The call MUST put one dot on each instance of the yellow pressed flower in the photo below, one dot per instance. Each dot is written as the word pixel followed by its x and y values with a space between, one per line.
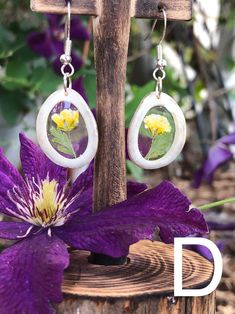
pixel 157 124
pixel 66 120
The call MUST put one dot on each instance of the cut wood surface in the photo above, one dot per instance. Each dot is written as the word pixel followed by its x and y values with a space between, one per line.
pixel 150 270
pixel 176 9
pixel 137 287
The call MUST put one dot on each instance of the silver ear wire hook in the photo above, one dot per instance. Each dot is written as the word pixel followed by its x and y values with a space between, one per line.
pixel 154 25
pixel 68 42
pixel 66 58
pixel 159 73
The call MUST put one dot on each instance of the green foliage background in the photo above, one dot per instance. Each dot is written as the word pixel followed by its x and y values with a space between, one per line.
pixel 26 79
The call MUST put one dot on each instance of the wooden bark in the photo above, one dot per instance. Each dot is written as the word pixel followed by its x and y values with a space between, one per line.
pixel 148 305
pixel 139 287
pixel 111 38
pixel 176 9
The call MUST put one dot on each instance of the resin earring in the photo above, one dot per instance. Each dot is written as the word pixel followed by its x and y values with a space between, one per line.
pixel 66 128
pixel 158 121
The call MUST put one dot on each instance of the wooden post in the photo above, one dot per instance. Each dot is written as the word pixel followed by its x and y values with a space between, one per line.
pixel 137 287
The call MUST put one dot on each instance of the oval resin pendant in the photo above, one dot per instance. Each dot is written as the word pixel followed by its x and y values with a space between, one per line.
pixel 66 129
pixel 157 132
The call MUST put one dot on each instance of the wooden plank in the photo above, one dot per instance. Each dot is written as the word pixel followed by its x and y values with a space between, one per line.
pixel 176 9
pixel 87 7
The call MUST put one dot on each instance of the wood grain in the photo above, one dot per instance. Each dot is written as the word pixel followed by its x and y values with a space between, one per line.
pixel 111 39
pixel 88 7
pixel 176 9
pixel 137 287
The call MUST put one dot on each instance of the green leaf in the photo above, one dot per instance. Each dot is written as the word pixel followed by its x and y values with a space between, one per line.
pixel 89 81
pixel 12 105
pixel 62 139
pixel 45 80
pixel 136 172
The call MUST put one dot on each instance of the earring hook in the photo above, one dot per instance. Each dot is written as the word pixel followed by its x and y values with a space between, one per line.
pixel 68 21
pixel 154 25
pixel 67 68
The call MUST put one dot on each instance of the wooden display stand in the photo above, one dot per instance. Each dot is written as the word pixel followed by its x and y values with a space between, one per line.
pixel 141 286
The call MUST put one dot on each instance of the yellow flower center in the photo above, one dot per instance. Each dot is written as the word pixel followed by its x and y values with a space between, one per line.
pixel 66 120
pixel 47 203
pixel 157 124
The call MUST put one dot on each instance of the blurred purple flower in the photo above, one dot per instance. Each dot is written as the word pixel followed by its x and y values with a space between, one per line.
pixel 204 251
pixel 79 87
pixel 51 216
pixel 218 226
pixel 50 43
pixel 218 155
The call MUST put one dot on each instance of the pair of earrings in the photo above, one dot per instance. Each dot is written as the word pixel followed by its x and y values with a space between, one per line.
pixel 67 131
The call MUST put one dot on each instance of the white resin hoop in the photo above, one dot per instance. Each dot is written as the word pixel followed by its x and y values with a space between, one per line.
pixel 41 128
pixel 172 107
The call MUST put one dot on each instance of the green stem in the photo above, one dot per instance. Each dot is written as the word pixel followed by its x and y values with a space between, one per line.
pixel 72 149
pixel 150 150
pixel 218 203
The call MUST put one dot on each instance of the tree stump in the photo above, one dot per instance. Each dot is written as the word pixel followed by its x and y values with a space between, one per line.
pixel 141 286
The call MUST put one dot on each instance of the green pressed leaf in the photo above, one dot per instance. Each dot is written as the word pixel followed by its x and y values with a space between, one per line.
pixel 162 143
pixel 160 146
pixel 62 139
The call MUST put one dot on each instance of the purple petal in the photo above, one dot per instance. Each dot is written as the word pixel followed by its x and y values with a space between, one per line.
pixel 111 240
pixel 83 187
pixel 228 139
pixel 81 193
pixel 41 43
pixel 218 155
pixel 134 188
pixel 202 250
pixel 111 231
pixel 31 275
pixel 78 30
pixel 79 87
pixel 9 171
pixel 14 230
pixel 9 177
pixel 6 204
pixel 35 163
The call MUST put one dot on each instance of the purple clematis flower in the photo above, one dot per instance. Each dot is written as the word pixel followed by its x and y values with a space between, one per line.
pixel 50 43
pixel 218 155
pixel 52 215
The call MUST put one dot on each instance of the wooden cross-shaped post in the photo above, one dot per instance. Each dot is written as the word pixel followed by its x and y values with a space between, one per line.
pixel 111 38
pixel 149 275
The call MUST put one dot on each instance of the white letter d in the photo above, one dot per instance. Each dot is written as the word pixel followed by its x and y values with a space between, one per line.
pixel 218 267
